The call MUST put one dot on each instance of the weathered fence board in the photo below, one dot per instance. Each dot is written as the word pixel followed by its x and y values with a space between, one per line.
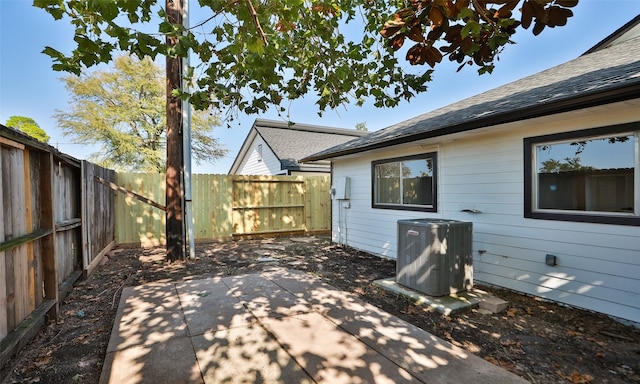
pixel 98 214
pixel 16 269
pixel 68 238
pixel 48 253
pixel 3 291
pixel 10 290
pixel 41 232
pixel 28 278
pixel 226 206
pixel 34 225
pixel 3 272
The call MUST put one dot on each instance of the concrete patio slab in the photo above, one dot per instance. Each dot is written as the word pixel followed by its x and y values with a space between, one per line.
pixel 208 305
pixel 171 361
pixel 146 315
pixel 279 326
pixel 246 355
pixel 332 355
pixel 264 298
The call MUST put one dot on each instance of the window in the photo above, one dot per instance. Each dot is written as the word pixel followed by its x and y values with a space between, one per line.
pixel 589 176
pixel 259 152
pixel 407 183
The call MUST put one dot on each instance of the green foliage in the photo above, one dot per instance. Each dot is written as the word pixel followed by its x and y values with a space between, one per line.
pixel 123 110
pixel 255 54
pixel 28 126
pixel 568 165
pixel 362 126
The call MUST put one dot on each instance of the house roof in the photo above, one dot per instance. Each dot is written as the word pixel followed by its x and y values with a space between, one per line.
pixel 606 75
pixel 630 30
pixel 292 142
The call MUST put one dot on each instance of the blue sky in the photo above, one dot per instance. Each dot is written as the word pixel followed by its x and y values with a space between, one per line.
pixel 29 87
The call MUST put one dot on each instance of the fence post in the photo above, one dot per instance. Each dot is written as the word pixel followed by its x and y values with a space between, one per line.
pixel 49 264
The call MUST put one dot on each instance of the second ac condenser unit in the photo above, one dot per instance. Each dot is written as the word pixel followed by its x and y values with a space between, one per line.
pixel 435 256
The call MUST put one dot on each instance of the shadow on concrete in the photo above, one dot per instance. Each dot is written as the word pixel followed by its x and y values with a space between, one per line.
pixel 280 326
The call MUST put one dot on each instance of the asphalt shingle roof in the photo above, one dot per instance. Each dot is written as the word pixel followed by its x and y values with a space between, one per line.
pixel 604 76
pixel 291 143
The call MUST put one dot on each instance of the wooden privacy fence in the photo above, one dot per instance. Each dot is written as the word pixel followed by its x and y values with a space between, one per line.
pixel 226 206
pixel 56 221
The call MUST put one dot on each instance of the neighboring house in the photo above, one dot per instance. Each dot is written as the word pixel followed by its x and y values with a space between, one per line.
pixel 546 165
pixel 274 148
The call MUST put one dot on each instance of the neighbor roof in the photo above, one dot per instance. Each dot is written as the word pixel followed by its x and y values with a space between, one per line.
pixel 290 142
pixel 601 77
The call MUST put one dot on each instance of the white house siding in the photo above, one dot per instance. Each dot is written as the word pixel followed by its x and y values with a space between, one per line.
pixel 252 165
pixel 598 264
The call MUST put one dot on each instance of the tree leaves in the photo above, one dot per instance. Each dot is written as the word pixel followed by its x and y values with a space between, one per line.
pixel 251 55
pixel 576 378
pixel 549 13
pixel 28 126
pixel 474 31
pixel 423 54
pixel 506 9
pixel 567 3
pixel 435 16
pixel 122 110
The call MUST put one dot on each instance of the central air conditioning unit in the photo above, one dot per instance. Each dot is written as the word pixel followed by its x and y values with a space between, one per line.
pixel 435 256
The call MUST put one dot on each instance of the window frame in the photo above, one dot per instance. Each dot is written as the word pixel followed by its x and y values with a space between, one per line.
pixel 530 181
pixel 407 207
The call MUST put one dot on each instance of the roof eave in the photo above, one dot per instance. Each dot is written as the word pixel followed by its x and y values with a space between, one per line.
pixel 265 123
pixel 302 168
pixel 583 101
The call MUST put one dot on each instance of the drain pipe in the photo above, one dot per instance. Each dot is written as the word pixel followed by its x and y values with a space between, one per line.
pixel 186 148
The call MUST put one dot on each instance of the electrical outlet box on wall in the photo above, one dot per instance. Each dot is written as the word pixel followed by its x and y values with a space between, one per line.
pixel 342 188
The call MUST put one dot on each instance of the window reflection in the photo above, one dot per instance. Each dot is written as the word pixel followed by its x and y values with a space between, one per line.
pixel 408 181
pixel 591 175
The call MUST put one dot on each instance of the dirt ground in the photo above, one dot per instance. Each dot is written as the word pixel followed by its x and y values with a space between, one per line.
pixel 540 341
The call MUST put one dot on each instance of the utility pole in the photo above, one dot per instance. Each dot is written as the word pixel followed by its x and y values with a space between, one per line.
pixel 175 157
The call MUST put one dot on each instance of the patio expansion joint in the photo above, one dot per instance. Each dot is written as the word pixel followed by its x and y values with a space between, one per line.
pixel 338 325
pixel 282 345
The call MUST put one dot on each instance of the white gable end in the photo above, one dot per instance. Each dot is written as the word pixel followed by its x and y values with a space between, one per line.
pixel 259 160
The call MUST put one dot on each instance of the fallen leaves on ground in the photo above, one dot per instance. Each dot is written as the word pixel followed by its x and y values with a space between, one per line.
pixel 534 339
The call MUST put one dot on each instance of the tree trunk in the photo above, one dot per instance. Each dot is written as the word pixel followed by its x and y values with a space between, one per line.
pixel 175 161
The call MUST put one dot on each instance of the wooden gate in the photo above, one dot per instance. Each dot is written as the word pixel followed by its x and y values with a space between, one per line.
pixel 268 205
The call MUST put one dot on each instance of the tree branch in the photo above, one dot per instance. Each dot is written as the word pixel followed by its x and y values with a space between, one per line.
pixel 482 11
pixel 254 16
pixel 216 14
